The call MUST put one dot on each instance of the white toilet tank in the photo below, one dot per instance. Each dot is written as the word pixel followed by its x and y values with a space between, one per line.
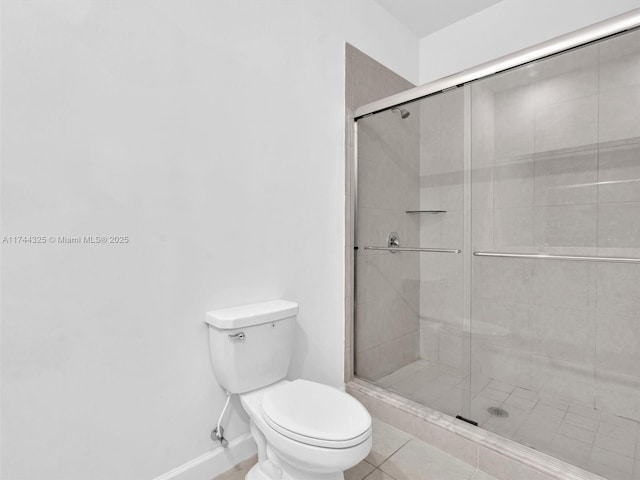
pixel 251 345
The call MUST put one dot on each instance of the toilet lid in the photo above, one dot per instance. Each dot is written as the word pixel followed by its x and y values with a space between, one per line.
pixel 316 414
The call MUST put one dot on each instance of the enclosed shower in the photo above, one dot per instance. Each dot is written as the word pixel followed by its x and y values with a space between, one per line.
pixel 497 255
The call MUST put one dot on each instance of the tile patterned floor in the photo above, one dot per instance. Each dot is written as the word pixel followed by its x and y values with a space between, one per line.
pixel 598 442
pixel 395 455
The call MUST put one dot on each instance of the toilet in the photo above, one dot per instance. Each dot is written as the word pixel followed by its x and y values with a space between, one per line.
pixel 304 430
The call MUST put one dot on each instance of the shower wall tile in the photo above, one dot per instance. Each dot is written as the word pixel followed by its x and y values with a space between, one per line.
pixel 619 46
pixel 368 80
pixel 618 345
pixel 482 187
pixel 566 124
pixel 619 174
pixel 430 231
pixel 379 136
pixel 374 226
pixel 511 366
pixel 396 316
pixel 514 123
pixel 513 227
pixel 561 284
pixel 452 191
pixel 563 333
pixel 619 225
pixel 429 194
pixel 392 355
pixel 620 62
pixel 369 280
pixel 430 115
pixel 369 364
pixel 566 179
pixel 368 324
pixel 452 149
pixel 411 347
pixel 398 186
pixel 620 72
pixel 429 340
pixel 574 381
pixel 452 230
pixel 451 108
pixel 566 226
pixel 513 184
pixel 450 350
pixel 431 298
pixel 369 182
pixel 412 230
pixel 482 125
pixel 505 325
pixel 482 229
pixel 503 280
pixel 567 77
pixel 617 289
pixel 398 295
pixel 619 116
pixel 452 307
pixel 430 152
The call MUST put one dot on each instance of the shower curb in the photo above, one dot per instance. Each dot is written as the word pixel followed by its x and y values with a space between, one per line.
pixel 498 456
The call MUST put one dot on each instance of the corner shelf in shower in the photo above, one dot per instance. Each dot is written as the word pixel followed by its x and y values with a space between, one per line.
pixel 426 211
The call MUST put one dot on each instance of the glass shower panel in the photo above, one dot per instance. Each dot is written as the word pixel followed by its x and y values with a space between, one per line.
pixel 387 285
pixel 555 171
pixel 410 334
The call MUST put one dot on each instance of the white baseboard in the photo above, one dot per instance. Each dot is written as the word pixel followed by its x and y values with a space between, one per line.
pixel 213 463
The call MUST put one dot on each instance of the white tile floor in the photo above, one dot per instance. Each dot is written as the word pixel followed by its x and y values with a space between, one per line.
pixel 395 455
pixel 601 443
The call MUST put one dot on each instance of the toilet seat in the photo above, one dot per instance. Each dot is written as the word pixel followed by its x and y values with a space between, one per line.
pixel 316 414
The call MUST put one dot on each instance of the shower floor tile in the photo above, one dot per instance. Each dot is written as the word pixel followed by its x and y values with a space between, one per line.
pixel 602 443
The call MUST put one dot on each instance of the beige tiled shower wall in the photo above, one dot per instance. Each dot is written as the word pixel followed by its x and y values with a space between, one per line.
pixel 556 169
pixel 442 337
pixel 387 334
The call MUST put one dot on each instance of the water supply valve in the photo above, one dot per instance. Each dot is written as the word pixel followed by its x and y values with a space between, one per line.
pixel 219 436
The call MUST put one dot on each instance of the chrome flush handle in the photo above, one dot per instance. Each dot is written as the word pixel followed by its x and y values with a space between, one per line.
pixel 237 337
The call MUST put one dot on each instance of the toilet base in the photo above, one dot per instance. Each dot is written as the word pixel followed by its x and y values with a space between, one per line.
pixel 259 473
pixel 256 474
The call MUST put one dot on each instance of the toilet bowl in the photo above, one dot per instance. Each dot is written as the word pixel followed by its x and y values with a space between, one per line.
pixel 299 438
pixel 303 430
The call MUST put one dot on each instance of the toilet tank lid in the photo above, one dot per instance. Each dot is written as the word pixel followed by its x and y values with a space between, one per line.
pixel 253 314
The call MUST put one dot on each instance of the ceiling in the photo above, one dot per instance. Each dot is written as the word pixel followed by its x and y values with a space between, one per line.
pixel 426 16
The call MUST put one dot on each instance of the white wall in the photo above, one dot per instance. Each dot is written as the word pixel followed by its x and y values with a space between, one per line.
pixel 506 27
pixel 211 133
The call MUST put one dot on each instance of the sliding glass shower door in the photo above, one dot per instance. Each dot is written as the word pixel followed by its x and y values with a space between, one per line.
pixel 556 322
pixel 498 271
pixel 410 334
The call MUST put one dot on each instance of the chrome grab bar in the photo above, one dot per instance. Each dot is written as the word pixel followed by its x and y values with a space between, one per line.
pixel 549 256
pixel 410 249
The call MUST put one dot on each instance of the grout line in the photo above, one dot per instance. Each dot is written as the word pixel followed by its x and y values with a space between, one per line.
pixel 379 470
pixel 386 459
